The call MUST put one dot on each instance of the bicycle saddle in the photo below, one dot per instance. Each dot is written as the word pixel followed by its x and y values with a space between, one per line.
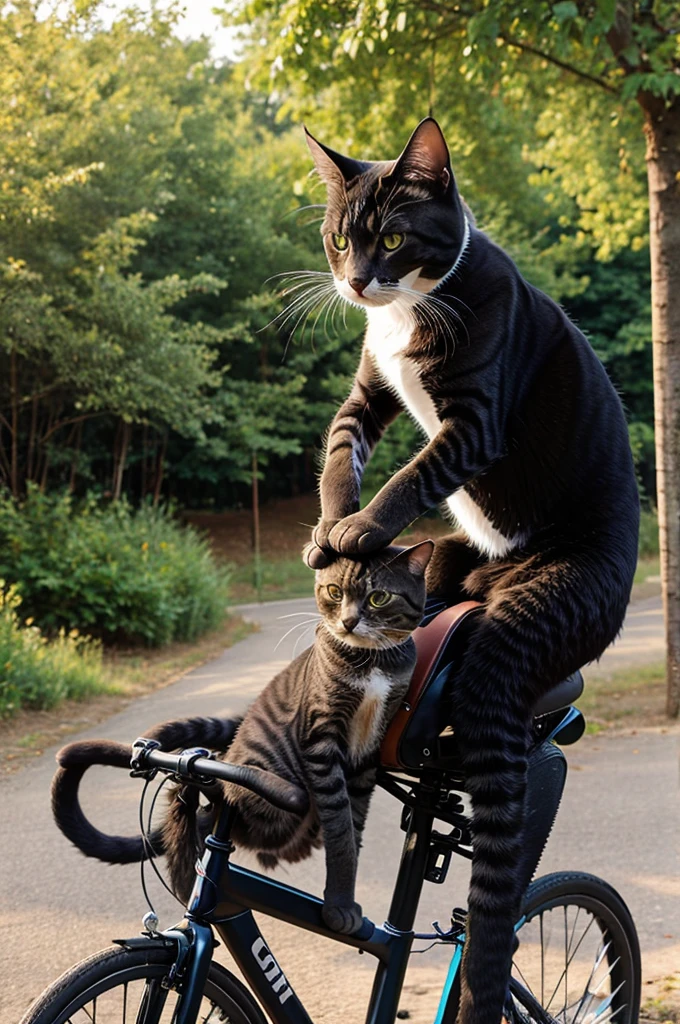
pixel 420 734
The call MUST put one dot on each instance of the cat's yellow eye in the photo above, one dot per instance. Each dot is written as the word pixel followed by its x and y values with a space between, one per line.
pixel 392 242
pixel 379 598
pixel 334 592
pixel 340 242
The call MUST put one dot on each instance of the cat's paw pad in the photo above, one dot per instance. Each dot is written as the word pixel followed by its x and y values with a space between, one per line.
pixel 345 920
pixel 315 557
pixel 321 532
pixel 358 535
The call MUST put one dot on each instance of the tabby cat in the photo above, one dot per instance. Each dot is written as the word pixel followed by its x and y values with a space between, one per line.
pixel 526 446
pixel 318 724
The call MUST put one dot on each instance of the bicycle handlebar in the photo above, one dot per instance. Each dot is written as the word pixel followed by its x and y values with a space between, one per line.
pixel 198 766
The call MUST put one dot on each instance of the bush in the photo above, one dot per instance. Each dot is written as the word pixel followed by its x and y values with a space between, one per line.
pixel 36 672
pixel 119 574
pixel 649 533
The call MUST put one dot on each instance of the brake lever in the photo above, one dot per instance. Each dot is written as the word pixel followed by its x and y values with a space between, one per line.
pixel 140 748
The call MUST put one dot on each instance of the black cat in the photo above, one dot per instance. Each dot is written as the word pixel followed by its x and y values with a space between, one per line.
pixel 526 444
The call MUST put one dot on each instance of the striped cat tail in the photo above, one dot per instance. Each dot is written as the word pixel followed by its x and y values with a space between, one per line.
pixel 76 758
pixel 180 733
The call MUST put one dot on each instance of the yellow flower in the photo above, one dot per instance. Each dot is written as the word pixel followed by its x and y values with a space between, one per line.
pixel 145 546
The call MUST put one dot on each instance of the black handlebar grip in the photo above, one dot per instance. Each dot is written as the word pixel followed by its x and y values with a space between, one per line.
pixel 277 791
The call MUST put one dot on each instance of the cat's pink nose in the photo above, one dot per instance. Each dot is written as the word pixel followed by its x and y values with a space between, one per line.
pixel 350 622
pixel 358 284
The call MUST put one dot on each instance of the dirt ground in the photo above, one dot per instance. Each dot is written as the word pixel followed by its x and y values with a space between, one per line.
pixel 132 673
pixel 285 528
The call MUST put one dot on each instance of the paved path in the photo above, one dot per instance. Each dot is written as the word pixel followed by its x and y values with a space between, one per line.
pixel 642 639
pixel 619 819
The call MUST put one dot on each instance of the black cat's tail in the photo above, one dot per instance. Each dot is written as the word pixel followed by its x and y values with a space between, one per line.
pixel 76 758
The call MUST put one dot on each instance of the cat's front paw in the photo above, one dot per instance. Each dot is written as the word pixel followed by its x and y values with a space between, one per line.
pixel 318 553
pixel 346 920
pixel 358 534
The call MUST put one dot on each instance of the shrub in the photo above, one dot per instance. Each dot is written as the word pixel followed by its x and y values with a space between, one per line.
pixel 649 533
pixel 37 672
pixel 116 573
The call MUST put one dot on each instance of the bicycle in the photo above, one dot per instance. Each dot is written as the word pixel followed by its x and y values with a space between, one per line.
pixel 577 958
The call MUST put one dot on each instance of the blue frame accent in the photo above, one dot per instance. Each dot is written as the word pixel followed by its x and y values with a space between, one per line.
pixel 571 715
pixel 454 967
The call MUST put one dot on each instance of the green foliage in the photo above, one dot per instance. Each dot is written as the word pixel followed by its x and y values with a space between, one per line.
pixel 36 672
pixel 649 533
pixel 124 575
pixel 151 197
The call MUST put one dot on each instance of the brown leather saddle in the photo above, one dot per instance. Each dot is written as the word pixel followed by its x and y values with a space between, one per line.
pixel 420 735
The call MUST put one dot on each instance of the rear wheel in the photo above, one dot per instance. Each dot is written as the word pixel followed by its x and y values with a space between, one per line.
pixel 127 986
pixel 578 958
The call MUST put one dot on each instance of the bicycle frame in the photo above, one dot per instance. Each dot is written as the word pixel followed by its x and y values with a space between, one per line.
pixel 225 895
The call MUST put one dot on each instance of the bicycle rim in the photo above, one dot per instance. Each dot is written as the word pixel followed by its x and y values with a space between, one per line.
pixel 578 959
pixel 131 987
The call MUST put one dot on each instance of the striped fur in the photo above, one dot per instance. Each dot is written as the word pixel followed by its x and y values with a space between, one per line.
pixel 319 724
pixel 76 758
pixel 526 444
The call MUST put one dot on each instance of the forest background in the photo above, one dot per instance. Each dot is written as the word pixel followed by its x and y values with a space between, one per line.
pixel 155 207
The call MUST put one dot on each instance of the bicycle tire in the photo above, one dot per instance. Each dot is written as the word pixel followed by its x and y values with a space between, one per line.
pixel 108 971
pixel 576 889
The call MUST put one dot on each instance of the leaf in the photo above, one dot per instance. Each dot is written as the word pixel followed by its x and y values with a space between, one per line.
pixel 400 23
pixel 565 10
pixel 607 10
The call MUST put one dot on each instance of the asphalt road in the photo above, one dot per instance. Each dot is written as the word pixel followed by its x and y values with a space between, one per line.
pixel 619 818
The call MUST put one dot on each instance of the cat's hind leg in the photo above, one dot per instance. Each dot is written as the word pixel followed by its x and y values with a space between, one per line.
pixel 543 619
pixel 453 559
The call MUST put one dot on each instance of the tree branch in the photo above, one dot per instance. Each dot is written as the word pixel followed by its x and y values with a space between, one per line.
pixel 528 48
pixel 67 422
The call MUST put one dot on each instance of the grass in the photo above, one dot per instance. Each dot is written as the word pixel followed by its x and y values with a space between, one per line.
pixel 127 675
pixel 281 579
pixel 626 698
pixel 648 568
pixel 664 1006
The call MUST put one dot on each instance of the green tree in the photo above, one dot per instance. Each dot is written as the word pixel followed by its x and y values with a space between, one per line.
pixel 601 72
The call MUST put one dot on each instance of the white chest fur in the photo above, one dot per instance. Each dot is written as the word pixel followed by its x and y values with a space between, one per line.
pixel 387 337
pixel 366 727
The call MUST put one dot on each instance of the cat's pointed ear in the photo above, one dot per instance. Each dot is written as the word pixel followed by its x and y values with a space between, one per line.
pixel 425 156
pixel 417 557
pixel 333 168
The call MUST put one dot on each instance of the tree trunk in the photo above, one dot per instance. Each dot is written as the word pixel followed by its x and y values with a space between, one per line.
pixel 159 471
pixel 119 465
pixel 78 438
pixel 31 438
pixel 662 128
pixel 257 561
pixel 14 392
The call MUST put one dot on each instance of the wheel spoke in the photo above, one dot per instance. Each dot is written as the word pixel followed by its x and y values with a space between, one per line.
pixel 209 1014
pixel 578 946
pixel 542 963
pixel 596 966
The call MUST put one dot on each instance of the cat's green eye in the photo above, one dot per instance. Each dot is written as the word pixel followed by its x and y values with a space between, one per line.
pixel 379 598
pixel 392 242
pixel 340 242
pixel 334 592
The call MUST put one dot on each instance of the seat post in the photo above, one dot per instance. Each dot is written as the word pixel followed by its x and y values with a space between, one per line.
pixel 414 857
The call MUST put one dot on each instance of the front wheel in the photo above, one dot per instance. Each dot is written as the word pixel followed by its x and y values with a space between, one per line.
pixel 126 986
pixel 578 956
